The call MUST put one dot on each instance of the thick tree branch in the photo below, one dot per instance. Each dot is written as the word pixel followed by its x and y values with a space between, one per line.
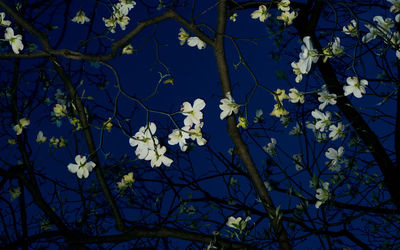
pixel 233 132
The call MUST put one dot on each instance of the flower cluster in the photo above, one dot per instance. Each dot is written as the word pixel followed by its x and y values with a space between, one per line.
pixel 148 147
pixel 193 41
pixel 82 167
pixel 193 125
pixel 119 15
pixel 270 148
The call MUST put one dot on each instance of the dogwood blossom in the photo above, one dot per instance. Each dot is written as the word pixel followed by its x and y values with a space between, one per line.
pixel 144 140
pixel 195 41
pixel 195 134
pixel 193 113
pixel 322 194
pixel 228 105
pixel 242 122
pixel 126 181
pixel 80 17
pixel 233 17
pixel 179 136
pixel 308 55
pixel 336 131
pixel 325 98
pixel 287 17
pixel 395 8
pixel 237 223
pixel 14 40
pixel 297 71
pixel 270 148
pixel 323 119
pixel 298 161
pixel 351 28
pixel 261 13
pixel 110 23
pixel 40 138
pixel 82 167
pixel 333 49
pixel 283 5
pixel 296 130
pixel 335 156
pixel 4 22
pixel 355 87
pixel 23 123
pixel 182 36
pixel 157 157
pixel 382 29
pixel 127 50
pixel 280 95
pixel 279 111
pixel 60 110
pixel 296 96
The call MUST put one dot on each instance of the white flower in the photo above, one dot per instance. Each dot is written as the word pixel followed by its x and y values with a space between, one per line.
pixel 110 23
pixel 123 21
pixel 60 110
pixel 351 28
pixel 296 96
pixel 195 41
pixel 237 223
pixel 298 161
pixel 157 157
pixel 336 131
pixel 228 105
pixel 355 87
pixel 333 49
pixel 182 36
pixel 283 5
pixel 193 113
pixel 145 140
pixel 382 29
pixel 335 157
pixel 325 98
pixel 259 117
pixel 323 119
pixel 14 40
pixel 127 5
pixel 40 138
pixel 195 134
pixel 261 13
pixel 322 194
pixel 179 136
pixel 308 55
pixel 287 17
pixel 82 167
pixel 270 148
pixel 396 5
pixel 297 71
pixel 23 123
pixel 80 17
pixel 4 22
